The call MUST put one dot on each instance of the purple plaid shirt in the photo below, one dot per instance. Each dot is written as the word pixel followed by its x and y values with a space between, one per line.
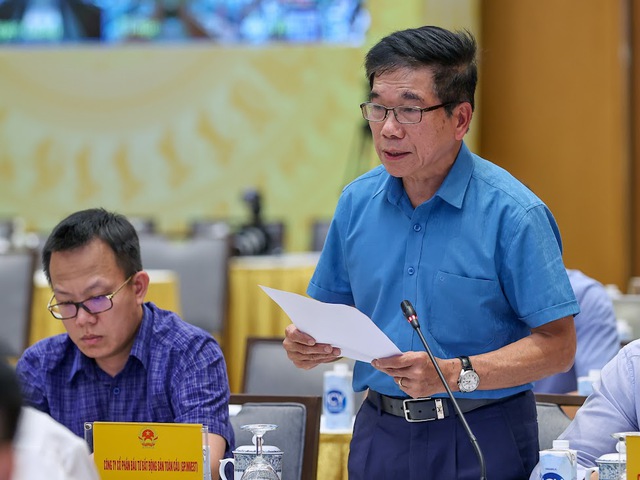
pixel 175 373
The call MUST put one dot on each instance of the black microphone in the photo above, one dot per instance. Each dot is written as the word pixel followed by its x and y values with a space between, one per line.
pixel 411 315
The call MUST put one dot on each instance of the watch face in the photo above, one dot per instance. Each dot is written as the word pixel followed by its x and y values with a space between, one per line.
pixel 468 381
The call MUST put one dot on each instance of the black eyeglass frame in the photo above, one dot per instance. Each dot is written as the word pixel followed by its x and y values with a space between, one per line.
pixel 364 105
pixel 108 296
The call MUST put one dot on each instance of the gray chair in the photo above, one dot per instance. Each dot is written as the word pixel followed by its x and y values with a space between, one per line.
pixel 319 230
pixel 210 228
pixel 268 370
pixel 6 228
pixel 298 432
pixel 552 421
pixel 552 417
pixel 143 225
pixel 201 265
pixel 16 292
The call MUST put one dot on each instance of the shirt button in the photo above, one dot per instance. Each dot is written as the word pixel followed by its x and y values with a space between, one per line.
pixel 417 227
pixel 116 390
pixel 411 270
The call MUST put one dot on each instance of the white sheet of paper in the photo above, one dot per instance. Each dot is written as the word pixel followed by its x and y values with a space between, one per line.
pixel 339 325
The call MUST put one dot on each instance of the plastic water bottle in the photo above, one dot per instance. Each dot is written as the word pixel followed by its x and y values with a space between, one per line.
pixel 586 384
pixel 613 290
pixel 559 462
pixel 337 405
pixel 625 331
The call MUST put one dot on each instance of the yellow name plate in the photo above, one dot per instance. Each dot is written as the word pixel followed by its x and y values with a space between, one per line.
pixel 633 456
pixel 145 451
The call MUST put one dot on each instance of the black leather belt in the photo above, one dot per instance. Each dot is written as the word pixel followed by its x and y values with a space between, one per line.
pixel 424 409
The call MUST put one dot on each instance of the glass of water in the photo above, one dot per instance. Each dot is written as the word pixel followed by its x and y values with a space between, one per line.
pixel 259 468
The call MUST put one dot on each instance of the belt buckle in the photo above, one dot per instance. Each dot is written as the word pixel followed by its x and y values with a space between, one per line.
pixel 437 402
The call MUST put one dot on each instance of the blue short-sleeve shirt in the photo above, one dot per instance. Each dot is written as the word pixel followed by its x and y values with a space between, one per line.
pixel 480 261
pixel 175 373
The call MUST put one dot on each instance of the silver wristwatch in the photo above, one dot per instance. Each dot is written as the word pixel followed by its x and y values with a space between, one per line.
pixel 469 379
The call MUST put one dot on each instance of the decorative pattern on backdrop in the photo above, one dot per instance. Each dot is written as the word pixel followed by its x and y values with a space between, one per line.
pixel 178 131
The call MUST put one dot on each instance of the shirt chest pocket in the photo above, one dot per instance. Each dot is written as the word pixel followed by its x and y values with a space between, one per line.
pixel 465 313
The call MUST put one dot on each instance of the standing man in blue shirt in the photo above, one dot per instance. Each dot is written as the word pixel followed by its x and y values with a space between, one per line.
pixel 476 253
pixel 121 359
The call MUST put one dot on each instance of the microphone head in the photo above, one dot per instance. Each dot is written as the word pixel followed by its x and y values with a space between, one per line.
pixel 407 309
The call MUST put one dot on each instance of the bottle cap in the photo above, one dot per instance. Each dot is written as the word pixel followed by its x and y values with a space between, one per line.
pixel 341 368
pixel 595 374
pixel 613 290
pixel 561 444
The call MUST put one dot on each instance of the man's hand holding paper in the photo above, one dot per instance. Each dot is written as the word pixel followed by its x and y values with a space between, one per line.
pixel 303 350
pixel 349 331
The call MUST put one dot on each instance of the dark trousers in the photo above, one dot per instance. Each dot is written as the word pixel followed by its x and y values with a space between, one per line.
pixel 387 447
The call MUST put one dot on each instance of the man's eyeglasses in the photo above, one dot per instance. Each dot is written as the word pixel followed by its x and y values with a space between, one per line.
pixel 375 112
pixel 93 305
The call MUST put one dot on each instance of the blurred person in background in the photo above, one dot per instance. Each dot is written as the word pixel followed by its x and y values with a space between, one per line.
pixel 476 252
pixel 121 360
pixel 597 339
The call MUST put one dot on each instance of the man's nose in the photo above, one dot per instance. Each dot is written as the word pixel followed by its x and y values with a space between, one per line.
pixel 84 317
pixel 391 126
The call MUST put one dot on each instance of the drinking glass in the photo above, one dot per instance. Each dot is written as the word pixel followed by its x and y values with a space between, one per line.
pixel 259 468
pixel 621 448
pixel 206 454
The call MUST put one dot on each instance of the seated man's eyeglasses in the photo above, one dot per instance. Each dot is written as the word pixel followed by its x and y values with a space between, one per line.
pixel 375 112
pixel 93 305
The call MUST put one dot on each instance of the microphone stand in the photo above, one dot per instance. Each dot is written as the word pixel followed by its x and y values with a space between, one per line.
pixel 412 317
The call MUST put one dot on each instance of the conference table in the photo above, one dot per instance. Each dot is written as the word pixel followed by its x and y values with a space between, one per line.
pixel 333 454
pixel 251 312
pixel 163 291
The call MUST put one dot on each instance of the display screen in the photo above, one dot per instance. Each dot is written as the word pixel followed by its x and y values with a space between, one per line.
pixel 223 21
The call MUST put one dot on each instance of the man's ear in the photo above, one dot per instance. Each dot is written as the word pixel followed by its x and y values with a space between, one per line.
pixel 463 114
pixel 140 283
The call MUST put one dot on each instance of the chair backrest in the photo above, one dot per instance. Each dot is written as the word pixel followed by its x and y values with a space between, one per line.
pixel 319 230
pixel 552 421
pixel 210 228
pixel 555 412
pixel 201 265
pixel 16 292
pixel 277 232
pixel 6 227
pixel 568 402
pixel 298 432
pixel 144 225
pixel 268 370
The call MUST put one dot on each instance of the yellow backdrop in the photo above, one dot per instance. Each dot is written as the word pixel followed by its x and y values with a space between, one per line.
pixel 179 131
